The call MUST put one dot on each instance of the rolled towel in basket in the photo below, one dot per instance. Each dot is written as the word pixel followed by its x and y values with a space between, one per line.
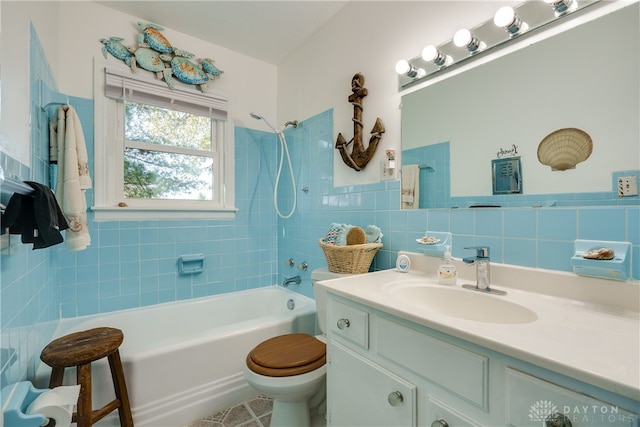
pixel 374 234
pixel 332 234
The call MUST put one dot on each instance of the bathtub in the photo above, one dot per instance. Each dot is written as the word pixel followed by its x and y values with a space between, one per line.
pixel 183 360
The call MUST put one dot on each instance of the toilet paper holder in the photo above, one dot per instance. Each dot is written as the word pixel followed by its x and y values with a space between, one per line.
pixel 17 398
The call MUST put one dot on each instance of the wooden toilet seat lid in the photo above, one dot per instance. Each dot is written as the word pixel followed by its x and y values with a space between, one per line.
pixel 287 355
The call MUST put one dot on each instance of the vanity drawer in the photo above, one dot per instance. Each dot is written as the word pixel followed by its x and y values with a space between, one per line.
pixel 460 371
pixel 441 414
pixel 530 400
pixel 350 323
pixel 362 393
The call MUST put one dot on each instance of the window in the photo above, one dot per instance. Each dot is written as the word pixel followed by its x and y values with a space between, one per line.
pixel 160 153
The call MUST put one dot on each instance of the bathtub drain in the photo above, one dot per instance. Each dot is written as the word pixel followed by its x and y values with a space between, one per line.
pixel 291 305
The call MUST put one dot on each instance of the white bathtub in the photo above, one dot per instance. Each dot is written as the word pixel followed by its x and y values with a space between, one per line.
pixel 183 360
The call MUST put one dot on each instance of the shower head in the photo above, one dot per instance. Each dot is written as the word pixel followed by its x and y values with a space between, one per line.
pixel 259 117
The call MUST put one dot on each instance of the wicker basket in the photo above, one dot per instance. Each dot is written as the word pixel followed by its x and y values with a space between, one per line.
pixel 351 259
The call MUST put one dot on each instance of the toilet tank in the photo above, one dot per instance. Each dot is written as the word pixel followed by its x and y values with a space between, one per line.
pixel 321 294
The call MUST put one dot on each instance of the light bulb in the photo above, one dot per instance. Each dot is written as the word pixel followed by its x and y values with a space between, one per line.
pixel 403 67
pixel 504 17
pixel 430 53
pixel 507 18
pixel 462 38
pixel 465 38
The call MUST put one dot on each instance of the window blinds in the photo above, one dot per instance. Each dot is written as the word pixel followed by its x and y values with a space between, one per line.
pixel 155 92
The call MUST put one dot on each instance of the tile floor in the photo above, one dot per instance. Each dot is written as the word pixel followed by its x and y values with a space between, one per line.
pixel 253 413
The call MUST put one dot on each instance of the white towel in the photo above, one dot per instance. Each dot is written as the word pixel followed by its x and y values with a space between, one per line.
pixel 410 187
pixel 67 140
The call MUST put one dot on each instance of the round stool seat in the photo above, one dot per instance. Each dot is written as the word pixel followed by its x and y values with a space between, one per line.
pixel 82 347
pixel 287 355
pixel 79 350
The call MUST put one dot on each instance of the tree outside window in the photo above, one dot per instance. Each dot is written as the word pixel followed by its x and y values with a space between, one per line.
pixel 168 154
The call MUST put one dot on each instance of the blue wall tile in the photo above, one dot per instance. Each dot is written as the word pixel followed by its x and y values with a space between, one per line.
pixel 602 224
pixel 489 221
pixel 557 223
pixel 554 255
pixel 520 252
pixel 520 223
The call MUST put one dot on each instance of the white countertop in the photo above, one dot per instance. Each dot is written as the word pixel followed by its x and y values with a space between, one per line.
pixel 592 342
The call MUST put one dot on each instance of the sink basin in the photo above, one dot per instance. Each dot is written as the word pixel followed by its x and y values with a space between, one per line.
pixel 461 303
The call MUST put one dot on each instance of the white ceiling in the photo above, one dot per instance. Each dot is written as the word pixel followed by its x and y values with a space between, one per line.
pixel 266 30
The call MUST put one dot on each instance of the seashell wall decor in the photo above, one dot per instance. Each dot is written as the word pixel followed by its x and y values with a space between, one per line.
pixel 154 53
pixel 564 148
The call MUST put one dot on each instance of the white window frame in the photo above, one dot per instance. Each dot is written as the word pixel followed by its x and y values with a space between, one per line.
pixel 109 152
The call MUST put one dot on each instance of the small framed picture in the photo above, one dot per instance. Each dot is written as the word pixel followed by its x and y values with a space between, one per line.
pixel 507 176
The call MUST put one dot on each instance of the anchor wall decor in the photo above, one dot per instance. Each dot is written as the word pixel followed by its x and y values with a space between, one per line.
pixel 359 156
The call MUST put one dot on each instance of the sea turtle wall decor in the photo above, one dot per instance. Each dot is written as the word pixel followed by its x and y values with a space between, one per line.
pixel 187 71
pixel 154 53
pixel 151 35
pixel 113 46
pixel 150 60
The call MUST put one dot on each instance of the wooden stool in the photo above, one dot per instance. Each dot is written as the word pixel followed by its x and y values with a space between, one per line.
pixel 80 349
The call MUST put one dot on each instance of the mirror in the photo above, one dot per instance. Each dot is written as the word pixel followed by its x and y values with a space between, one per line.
pixel 585 77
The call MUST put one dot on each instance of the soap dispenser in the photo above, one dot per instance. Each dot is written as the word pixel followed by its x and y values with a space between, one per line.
pixel 447 273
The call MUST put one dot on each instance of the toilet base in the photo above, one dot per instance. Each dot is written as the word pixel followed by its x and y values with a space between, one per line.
pixel 303 413
pixel 290 414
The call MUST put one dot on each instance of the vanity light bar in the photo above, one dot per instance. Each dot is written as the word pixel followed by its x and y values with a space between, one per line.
pixel 468 43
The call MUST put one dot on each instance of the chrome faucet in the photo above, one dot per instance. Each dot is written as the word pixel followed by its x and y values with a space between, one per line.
pixel 295 280
pixel 483 269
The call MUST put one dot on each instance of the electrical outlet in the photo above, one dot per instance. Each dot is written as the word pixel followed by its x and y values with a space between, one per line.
pixel 387 173
pixel 628 186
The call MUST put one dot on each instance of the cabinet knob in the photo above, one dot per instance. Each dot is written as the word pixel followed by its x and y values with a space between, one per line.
pixel 440 423
pixel 557 420
pixel 395 398
pixel 343 323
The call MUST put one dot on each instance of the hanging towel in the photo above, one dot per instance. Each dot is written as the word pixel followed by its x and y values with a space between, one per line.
pixel 37 217
pixel 410 188
pixel 73 174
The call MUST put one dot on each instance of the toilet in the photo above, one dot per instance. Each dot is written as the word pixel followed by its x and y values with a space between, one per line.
pixel 291 368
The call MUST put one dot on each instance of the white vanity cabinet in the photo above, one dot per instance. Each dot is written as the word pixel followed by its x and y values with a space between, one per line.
pixel 383 399
pixel 386 371
pixel 351 398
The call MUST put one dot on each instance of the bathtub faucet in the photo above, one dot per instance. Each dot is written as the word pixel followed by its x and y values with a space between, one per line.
pixel 295 280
